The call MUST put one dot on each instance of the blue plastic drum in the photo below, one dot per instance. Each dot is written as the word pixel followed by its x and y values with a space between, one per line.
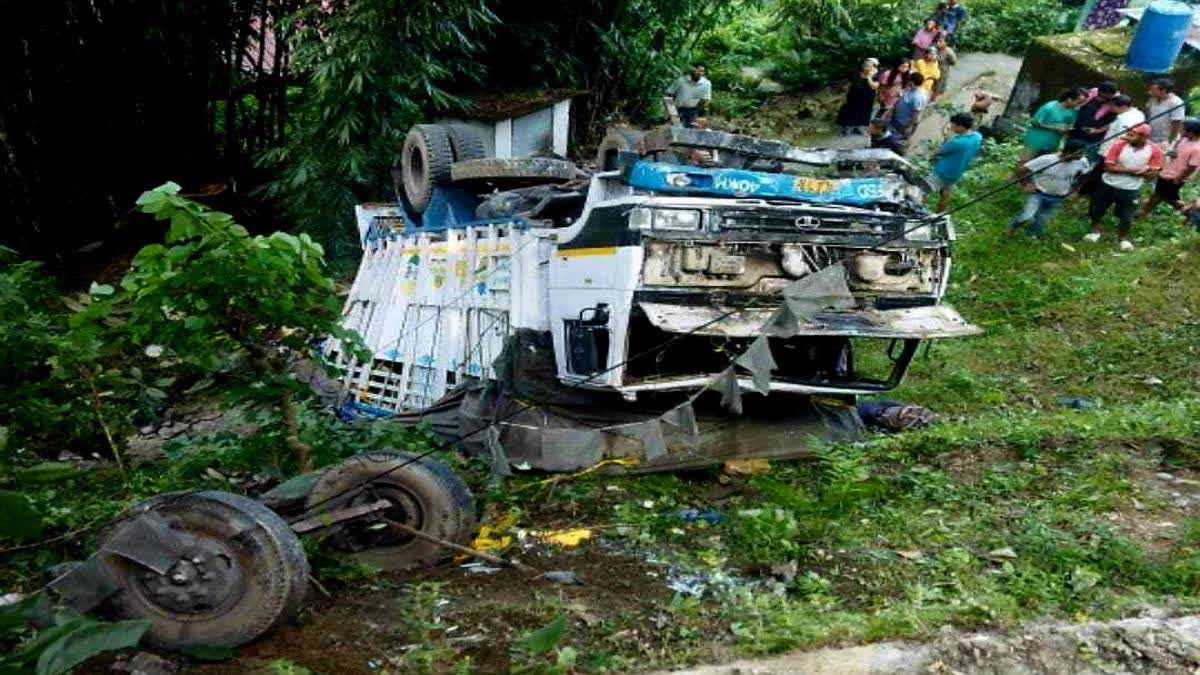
pixel 1159 37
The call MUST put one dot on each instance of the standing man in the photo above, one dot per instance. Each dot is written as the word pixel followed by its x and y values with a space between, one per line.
pixel 950 16
pixel 1128 163
pixel 1050 123
pixel 946 57
pixel 929 70
pixel 1127 118
pixel 907 113
pixel 1184 161
pixel 951 162
pixel 1095 114
pixel 1165 110
pixel 690 95
pixel 1049 179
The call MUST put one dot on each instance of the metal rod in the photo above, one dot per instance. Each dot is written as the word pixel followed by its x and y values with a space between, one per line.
pixel 487 557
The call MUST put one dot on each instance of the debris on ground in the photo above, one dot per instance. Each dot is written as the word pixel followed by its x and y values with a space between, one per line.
pixel 892 416
pixel 753 466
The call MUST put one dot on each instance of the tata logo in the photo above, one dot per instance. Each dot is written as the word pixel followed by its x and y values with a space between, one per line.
pixel 807 223
pixel 738 185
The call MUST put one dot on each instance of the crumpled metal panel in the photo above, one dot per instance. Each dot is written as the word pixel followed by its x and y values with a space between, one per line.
pixel 924 323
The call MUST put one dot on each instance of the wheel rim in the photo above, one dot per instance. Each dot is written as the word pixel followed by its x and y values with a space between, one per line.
pixel 373 532
pixel 205 581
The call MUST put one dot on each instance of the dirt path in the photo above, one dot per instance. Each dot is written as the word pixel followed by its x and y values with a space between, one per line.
pixel 1143 645
pixel 995 73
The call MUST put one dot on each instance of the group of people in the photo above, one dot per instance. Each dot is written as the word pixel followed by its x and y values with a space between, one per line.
pixel 1098 143
pixel 906 88
pixel 1087 142
pixel 888 106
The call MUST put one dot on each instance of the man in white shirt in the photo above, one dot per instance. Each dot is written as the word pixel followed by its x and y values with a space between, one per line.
pixel 691 95
pixel 1165 112
pixel 1127 165
pixel 1127 118
pixel 1050 179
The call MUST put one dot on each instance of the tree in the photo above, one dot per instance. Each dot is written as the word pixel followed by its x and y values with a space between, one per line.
pixel 370 69
pixel 215 300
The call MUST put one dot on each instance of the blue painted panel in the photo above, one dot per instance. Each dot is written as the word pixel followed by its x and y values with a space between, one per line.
pixel 690 180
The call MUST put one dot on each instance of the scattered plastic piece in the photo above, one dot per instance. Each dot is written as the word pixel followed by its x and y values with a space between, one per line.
pixel 1075 403
pixel 710 516
pixel 565 538
pixel 560 577
pixel 479 568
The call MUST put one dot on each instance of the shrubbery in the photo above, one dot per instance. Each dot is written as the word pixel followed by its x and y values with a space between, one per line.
pixel 809 44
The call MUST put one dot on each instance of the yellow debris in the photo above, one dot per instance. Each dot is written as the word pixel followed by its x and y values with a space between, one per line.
pixel 491 536
pixel 747 467
pixel 565 538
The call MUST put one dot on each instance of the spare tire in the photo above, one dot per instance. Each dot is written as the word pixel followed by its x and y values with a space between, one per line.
pixel 466 142
pixel 426 495
pixel 425 163
pixel 616 141
pixel 512 173
pixel 240 571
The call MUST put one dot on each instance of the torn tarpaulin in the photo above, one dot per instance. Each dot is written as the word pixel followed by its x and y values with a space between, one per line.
pixel 683 417
pixel 805 298
pixel 570 448
pixel 731 391
pixel 648 433
pixel 760 362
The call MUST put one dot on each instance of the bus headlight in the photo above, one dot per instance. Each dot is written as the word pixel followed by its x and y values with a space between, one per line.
pixel 686 220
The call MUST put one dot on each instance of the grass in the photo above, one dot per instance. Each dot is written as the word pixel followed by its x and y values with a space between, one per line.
pixel 1013 509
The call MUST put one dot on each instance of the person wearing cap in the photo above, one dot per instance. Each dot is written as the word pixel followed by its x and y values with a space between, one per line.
pixel 1181 165
pixel 1165 111
pixel 955 156
pixel 1049 179
pixel 1127 165
pixel 928 68
pixel 855 113
pixel 1127 118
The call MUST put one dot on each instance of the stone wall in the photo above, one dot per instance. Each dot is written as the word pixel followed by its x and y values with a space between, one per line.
pixel 1057 62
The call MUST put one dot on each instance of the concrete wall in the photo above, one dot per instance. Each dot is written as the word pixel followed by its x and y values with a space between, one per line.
pixel 1057 62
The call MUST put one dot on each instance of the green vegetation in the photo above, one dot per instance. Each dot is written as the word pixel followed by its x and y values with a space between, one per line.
pixel 811 44
pixel 1013 508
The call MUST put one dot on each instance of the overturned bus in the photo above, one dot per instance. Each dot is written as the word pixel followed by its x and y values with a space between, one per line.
pixel 637 285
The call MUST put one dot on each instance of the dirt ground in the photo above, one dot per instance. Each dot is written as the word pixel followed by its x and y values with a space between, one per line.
pixel 362 629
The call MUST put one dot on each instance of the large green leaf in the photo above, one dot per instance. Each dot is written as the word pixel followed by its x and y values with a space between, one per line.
pixel 89 639
pixel 542 640
pixel 21 520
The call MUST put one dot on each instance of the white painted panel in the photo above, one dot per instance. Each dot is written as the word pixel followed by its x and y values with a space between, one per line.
pixel 503 140
pixel 562 127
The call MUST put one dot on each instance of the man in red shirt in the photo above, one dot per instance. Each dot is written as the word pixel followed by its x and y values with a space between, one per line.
pixel 1181 165
pixel 1127 164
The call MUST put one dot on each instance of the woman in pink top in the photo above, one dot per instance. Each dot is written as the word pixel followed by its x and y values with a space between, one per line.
pixel 925 38
pixel 891 85
pixel 1184 160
